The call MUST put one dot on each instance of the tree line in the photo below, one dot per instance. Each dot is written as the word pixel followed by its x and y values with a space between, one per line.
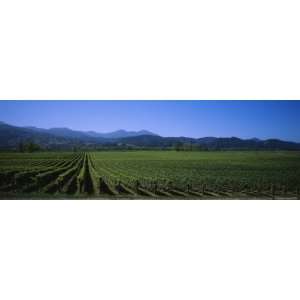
pixel 28 147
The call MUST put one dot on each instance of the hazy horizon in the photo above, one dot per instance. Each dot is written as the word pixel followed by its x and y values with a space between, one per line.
pixel 243 119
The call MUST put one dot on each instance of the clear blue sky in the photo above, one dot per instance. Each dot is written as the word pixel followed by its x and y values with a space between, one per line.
pixel 245 119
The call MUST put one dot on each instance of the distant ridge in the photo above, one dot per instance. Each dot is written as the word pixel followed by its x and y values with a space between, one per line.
pixel 65 138
pixel 121 133
pixel 66 132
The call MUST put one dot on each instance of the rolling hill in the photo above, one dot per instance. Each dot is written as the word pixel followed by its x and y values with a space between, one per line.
pixel 65 138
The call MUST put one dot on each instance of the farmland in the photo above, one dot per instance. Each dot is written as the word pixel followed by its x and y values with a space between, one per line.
pixel 151 175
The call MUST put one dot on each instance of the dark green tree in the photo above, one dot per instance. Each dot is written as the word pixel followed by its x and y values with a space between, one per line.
pixel 21 147
pixel 32 147
pixel 178 146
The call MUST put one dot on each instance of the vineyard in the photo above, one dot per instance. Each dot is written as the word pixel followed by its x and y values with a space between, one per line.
pixel 150 175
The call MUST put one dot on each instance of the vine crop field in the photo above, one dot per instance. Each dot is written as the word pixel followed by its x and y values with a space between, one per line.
pixel 150 175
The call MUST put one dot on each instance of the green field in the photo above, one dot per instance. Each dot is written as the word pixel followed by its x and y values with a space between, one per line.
pixel 151 174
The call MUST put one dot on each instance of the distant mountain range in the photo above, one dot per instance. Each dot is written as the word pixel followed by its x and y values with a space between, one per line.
pixel 69 133
pixel 65 138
